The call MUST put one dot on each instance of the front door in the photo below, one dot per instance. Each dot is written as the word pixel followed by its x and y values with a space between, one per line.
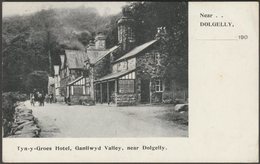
pixel 145 91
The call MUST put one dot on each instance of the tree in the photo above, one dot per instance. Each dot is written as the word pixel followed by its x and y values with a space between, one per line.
pixel 173 16
pixel 84 38
pixel 37 80
pixel 45 23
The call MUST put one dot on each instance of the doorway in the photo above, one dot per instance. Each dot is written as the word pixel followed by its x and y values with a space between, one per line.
pixel 145 91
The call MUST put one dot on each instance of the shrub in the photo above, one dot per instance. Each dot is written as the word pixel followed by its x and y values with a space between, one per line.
pixel 8 108
pixel 86 100
pixel 168 98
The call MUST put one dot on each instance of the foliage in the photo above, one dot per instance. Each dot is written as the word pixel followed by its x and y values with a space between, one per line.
pixel 84 38
pixel 37 80
pixel 34 42
pixel 173 16
pixel 39 39
pixel 8 101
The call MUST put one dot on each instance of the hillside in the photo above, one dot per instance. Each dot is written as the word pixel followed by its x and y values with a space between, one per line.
pixel 29 42
pixel 30 38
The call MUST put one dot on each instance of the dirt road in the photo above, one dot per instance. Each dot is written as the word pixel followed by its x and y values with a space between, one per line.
pixel 61 120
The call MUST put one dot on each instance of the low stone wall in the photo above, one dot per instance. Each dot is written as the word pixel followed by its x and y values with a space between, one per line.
pixel 81 100
pixel 126 99
pixel 25 125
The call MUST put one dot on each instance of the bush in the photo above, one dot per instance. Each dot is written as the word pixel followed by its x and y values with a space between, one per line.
pixel 86 100
pixel 167 98
pixel 8 108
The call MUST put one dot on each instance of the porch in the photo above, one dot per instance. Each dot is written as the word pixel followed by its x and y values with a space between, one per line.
pixel 78 91
pixel 116 89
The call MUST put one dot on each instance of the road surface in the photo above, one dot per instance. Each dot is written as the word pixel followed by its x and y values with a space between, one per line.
pixel 61 120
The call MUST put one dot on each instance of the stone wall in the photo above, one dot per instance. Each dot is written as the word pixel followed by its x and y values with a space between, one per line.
pixel 122 66
pixel 126 99
pixel 25 125
pixel 146 70
pixel 149 70
pixel 81 100
pixel 131 63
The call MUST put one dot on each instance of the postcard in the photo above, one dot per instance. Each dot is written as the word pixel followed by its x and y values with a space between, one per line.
pixel 130 81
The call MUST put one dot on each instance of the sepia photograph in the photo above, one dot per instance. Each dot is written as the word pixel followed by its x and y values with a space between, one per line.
pixel 95 69
pixel 130 82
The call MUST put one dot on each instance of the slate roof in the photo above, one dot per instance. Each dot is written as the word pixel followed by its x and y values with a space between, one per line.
pixel 75 58
pixel 115 75
pixel 109 51
pixel 137 50
pixel 94 55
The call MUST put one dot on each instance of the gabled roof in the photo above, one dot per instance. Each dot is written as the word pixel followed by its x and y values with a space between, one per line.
pixel 105 54
pixel 115 75
pixel 137 50
pixel 75 59
pixel 94 55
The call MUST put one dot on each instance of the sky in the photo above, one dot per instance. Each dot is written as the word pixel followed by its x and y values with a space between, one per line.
pixel 22 8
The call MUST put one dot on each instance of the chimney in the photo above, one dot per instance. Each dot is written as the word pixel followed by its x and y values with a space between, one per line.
pixel 161 33
pixel 91 45
pixel 100 41
pixel 126 36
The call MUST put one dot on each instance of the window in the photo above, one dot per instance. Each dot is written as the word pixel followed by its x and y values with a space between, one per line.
pixel 157 58
pixel 129 76
pixel 126 86
pixel 130 34
pixel 77 89
pixel 158 86
pixel 87 90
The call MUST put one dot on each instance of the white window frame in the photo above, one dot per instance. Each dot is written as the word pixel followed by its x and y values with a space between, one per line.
pixel 160 85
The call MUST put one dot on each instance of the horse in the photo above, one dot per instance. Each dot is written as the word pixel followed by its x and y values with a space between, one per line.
pixel 40 98
pixel 32 99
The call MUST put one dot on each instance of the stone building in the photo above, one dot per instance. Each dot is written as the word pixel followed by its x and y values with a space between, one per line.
pixel 126 74
pixel 135 72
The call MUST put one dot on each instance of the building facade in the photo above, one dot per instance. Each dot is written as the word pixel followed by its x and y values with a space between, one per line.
pixel 126 74
pixel 136 72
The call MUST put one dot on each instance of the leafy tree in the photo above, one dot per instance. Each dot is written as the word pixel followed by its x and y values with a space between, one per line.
pixel 173 16
pixel 112 38
pixel 37 80
pixel 84 38
pixel 34 42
